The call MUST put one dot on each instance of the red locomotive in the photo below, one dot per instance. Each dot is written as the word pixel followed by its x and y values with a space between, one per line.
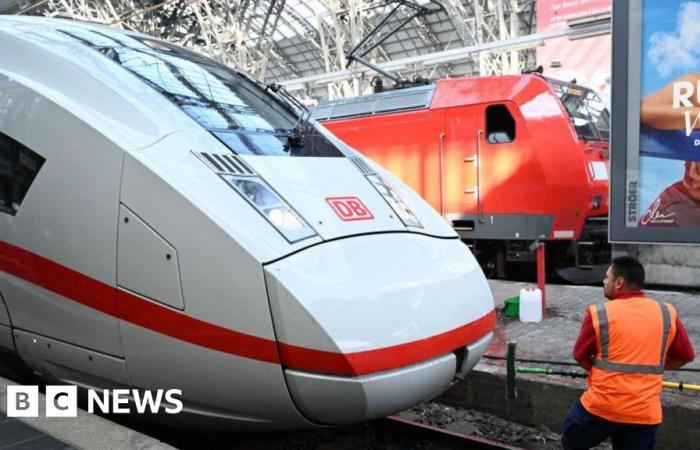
pixel 508 160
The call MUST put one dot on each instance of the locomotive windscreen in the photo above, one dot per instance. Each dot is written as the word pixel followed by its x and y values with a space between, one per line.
pixel 586 111
pixel 241 113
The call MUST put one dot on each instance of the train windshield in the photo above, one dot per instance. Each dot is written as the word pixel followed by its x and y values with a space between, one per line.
pixel 240 112
pixel 587 111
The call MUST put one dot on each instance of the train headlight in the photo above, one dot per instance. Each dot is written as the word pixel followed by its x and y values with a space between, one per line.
pixel 395 201
pixel 272 207
pixel 284 218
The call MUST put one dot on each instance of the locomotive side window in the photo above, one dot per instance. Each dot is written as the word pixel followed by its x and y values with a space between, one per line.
pixel 18 168
pixel 500 125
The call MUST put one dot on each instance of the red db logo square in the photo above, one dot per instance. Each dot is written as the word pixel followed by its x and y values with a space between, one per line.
pixel 349 208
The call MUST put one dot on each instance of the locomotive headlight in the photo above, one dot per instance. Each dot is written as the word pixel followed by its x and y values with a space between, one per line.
pixel 596 202
pixel 395 201
pixel 272 207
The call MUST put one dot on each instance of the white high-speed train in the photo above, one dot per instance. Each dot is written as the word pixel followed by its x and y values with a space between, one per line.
pixel 166 222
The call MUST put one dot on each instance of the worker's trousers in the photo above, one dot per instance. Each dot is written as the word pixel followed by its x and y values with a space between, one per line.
pixel 583 430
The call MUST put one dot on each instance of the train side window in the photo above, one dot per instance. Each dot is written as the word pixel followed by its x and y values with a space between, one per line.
pixel 500 125
pixel 18 167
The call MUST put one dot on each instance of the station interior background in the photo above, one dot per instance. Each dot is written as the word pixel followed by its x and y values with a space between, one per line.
pixel 302 45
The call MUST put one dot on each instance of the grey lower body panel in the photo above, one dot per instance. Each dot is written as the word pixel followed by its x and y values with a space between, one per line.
pixel 6 341
pixel 69 363
pixel 502 226
pixel 369 396
pixel 377 395
pixel 4 315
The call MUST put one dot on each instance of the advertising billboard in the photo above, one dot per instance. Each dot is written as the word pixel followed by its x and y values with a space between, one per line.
pixel 554 14
pixel 655 195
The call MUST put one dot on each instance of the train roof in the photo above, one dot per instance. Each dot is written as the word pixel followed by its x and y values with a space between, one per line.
pixel 445 93
pixel 46 56
pixel 384 102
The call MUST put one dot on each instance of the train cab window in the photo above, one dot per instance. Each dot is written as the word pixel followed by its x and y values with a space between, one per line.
pixel 587 112
pixel 599 115
pixel 500 125
pixel 18 168
pixel 243 114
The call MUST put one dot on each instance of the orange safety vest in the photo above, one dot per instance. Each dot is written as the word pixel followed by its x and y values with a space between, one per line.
pixel 633 336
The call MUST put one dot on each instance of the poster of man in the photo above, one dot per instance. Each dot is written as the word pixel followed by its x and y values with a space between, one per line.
pixel 669 139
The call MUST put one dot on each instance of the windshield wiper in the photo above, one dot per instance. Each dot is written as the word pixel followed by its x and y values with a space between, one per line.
pixel 295 138
pixel 295 135
pixel 282 92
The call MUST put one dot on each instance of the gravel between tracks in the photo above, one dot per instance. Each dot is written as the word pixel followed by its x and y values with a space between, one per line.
pixel 488 426
pixel 363 437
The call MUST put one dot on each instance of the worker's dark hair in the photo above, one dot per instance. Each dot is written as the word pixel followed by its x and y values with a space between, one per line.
pixel 630 269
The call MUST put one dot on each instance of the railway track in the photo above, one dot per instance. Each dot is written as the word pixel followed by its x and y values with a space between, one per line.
pixel 391 433
pixel 401 433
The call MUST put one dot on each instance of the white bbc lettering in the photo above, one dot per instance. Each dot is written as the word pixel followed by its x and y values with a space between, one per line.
pixel 145 399
pixel 120 397
pixel 101 402
pixel 22 401
pixel 61 401
pixel 172 400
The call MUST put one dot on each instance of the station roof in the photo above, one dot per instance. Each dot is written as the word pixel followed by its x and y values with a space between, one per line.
pixel 300 38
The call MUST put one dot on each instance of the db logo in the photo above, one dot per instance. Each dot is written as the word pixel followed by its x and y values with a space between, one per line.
pixel 349 208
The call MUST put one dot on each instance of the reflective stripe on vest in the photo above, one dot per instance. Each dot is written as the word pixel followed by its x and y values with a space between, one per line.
pixel 604 364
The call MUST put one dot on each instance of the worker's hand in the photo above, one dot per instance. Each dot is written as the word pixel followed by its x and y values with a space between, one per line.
pixel 658 111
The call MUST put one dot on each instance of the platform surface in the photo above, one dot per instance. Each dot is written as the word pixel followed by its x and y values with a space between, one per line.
pixel 553 338
pixel 15 435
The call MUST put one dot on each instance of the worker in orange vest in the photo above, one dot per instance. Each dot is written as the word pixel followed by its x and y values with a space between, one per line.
pixel 625 344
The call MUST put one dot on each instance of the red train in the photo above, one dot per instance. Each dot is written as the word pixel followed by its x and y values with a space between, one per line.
pixel 508 160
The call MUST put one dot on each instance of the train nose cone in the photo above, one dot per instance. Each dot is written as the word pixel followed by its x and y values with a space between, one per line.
pixel 377 323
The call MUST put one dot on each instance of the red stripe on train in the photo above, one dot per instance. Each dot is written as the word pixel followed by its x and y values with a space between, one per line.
pixel 369 361
pixel 158 318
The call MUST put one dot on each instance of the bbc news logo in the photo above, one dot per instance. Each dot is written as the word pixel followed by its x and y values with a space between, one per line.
pixel 62 401
pixel 349 208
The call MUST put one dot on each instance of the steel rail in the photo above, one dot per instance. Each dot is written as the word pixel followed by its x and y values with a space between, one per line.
pixel 399 430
